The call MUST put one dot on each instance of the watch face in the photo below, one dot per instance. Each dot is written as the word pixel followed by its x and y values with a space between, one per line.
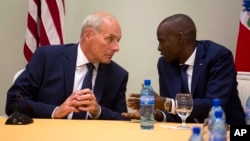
pixel 167 104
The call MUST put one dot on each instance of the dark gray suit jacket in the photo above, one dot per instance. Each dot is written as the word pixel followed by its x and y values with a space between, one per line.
pixel 48 80
pixel 214 76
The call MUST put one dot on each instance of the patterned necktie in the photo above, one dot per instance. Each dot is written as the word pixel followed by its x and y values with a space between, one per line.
pixel 87 83
pixel 184 79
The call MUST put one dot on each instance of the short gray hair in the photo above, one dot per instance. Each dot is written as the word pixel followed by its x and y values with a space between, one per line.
pixel 95 21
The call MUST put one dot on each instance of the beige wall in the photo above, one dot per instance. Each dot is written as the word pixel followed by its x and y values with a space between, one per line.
pixel 216 20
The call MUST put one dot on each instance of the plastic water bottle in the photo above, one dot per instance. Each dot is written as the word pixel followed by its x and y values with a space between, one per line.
pixel 219 129
pixel 216 107
pixel 248 111
pixel 147 106
pixel 196 135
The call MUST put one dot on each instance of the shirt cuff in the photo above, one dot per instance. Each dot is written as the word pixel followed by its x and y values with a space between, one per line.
pixel 164 116
pixel 52 115
pixel 173 107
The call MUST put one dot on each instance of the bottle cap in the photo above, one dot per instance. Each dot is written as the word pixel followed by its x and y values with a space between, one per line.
pixel 216 102
pixel 147 82
pixel 196 130
pixel 218 114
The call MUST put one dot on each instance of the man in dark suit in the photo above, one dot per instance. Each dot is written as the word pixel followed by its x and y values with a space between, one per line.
pixel 50 86
pixel 211 74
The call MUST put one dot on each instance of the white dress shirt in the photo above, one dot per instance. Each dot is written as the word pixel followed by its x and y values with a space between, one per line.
pixel 80 72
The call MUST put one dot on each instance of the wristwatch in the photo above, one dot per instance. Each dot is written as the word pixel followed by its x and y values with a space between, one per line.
pixel 168 105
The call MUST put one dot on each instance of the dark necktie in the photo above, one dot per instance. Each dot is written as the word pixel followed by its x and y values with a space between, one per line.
pixel 184 79
pixel 87 83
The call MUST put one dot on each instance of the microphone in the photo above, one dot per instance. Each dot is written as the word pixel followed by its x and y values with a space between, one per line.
pixel 17 118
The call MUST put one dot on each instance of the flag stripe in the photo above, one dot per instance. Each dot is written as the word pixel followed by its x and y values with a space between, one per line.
pixel 32 26
pixel 54 11
pixel 44 34
pixel 242 55
pixel 45 25
pixel 61 7
pixel 32 42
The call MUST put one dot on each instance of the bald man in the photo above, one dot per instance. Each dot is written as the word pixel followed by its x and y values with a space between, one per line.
pixel 210 74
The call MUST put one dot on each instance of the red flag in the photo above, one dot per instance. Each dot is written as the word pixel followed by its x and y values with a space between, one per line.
pixel 242 56
pixel 45 25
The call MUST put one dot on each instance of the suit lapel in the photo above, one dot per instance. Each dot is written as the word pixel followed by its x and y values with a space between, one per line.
pixel 176 83
pixel 69 67
pixel 198 65
pixel 170 76
pixel 100 81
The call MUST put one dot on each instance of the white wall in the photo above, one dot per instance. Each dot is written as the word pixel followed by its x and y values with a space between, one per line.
pixel 13 14
pixel 215 19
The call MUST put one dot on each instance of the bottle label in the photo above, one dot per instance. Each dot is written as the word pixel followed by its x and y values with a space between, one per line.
pixel 147 100
pixel 218 137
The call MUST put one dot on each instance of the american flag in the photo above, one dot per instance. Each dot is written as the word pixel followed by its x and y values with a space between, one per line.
pixel 45 24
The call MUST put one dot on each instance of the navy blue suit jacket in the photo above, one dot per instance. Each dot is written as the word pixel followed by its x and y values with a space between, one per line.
pixel 214 76
pixel 48 80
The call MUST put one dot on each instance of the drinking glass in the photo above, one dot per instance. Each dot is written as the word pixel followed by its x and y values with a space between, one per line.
pixel 184 107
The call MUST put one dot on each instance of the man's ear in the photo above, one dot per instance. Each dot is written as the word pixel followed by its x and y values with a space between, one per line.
pixel 180 36
pixel 88 33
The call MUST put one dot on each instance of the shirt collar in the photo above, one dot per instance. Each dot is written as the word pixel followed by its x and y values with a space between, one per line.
pixel 190 60
pixel 82 59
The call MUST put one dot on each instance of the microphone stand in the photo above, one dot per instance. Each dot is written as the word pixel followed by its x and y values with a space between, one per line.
pixel 17 118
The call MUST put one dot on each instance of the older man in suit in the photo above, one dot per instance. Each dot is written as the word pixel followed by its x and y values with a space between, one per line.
pixel 51 85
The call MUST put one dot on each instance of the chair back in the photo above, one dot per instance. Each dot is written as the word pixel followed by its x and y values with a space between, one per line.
pixel 17 74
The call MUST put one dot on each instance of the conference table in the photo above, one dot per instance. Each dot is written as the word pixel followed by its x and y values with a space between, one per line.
pixel 92 130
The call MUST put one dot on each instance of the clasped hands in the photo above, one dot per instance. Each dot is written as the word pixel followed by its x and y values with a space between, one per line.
pixel 79 100
pixel 133 102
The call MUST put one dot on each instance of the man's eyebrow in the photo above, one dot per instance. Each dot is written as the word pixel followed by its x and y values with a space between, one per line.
pixel 113 35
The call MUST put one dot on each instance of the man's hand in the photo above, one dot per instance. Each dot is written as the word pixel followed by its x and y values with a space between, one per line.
pixel 87 102
pixel 68 106
pixel 135 115
pixel 133 101
pixel 79 100
pixel 159 102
